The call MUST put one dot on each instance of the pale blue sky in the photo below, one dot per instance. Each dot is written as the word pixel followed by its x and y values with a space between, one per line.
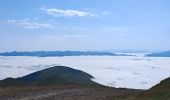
pixel 84 24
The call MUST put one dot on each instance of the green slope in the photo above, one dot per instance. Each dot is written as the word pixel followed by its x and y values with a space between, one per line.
pixel 159 92
pixel 58 75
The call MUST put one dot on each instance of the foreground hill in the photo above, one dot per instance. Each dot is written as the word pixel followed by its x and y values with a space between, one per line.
pixel 51 76
pixel 59 83
pixel 159 54
pixel 64 83
pixel 159 92
pixel 72 92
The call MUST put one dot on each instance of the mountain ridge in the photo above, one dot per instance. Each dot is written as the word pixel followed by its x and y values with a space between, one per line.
pixel 63 76
pixel 159 54
pixel 59 53
pixel 51 76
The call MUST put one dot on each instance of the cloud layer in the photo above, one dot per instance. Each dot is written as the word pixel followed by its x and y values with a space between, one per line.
pixel 125 71
pixel 69 12
pixel 29 24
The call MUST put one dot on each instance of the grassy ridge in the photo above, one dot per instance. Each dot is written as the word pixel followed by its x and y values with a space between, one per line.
pixel 65 77
pixel 52 76
pixel 159 92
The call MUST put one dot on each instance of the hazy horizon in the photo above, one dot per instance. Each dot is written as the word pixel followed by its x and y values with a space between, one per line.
pixel 106 50
pixel 84 25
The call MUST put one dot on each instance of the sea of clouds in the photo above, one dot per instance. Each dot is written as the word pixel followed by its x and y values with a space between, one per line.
pixel 136 72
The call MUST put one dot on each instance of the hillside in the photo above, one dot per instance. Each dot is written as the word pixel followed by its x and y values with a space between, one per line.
pixel 159 54
pixel 64 83
pixel 159 92
pixel 59 83
pixel 51 76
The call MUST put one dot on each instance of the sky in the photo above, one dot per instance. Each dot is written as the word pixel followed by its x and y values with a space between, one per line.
pixel 29 25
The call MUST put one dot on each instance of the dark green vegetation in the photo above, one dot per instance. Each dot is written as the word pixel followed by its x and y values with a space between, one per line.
pixel 159 54
pixel 159 92
pixel 64 83
pixel 51 76
pixel 58 83
pixel 60 53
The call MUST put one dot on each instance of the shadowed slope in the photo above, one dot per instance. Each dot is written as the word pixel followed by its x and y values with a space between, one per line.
pixel 52 76
pixel 160 91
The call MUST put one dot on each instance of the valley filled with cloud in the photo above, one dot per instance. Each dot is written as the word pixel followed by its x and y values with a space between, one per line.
pixel 136 72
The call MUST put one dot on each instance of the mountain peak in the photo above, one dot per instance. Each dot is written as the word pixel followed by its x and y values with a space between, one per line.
pixel 57 75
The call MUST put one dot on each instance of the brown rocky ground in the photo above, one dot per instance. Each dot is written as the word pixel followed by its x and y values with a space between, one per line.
pixel 67 93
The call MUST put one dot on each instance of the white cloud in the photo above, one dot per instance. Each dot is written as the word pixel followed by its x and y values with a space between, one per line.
pixel 29 24
pixel 106 13
pixel 117 29
pixel 59 12
pixel 64 37
pixel 118 71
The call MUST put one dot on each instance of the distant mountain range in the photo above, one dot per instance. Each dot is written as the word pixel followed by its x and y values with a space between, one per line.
pixel 60 53
pixel 160 54
pixel 58 75
pixel 128 51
